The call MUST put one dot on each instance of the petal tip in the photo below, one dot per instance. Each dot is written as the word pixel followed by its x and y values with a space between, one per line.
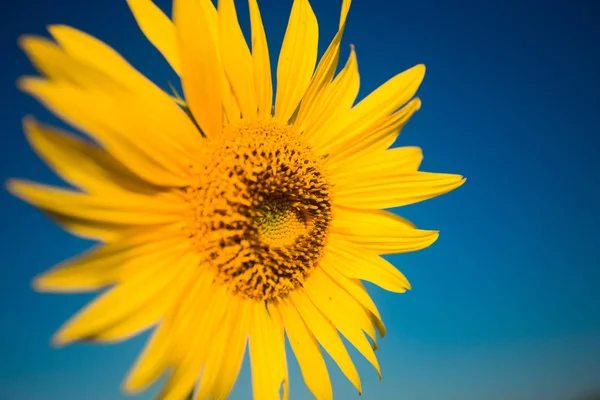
pixel 47 283
pixel 29 122
pixel 420 69
pixel 57 29
pixel 24 41
pixel 435 235
pixel 60 340
pixel 53 27
pixel 129 386
pixel 27 84
pixel 460 180
pixel 30 128
pixel 13 186
pixel 38 283
pixel 418 103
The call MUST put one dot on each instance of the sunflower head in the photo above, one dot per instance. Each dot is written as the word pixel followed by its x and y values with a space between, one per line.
pixel 231 216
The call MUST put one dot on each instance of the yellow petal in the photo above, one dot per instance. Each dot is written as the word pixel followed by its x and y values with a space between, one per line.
pixel 327 335
pixel 128 209
pixel 225 357
pixel 81 163
pixel 306 349
pixel 158 28
pixel 164 112
pixel 402 189
pixel 151 363
pixel 325 71
pixel 334 104
pixel 267 354
pixel 374 240
pixel 195 325
pixel 155 309
pixel 379 232
pixel 231 111
pixel 384 219
pixel 374 140
pixel 130 134
pixel 261 63
pixel 297 59
pixel 91 230
pixel 354 262
pixel 201 71
pixel 343 312
pixel 50 59
pixel 367 114
pixel 389 162
pixel 161 351
pixel 124 300
pixel 109 263
pixel 356 289
pixel 341 299
pixel 237 60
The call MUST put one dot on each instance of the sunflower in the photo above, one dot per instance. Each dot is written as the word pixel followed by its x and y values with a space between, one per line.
pixel 222 219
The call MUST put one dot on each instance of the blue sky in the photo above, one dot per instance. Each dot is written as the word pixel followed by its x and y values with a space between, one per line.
pixel 504 305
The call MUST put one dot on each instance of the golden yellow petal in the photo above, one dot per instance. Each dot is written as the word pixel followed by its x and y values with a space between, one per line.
pixel 389 163
pixel 354 262
pixel 152 363
pixel 344 313
pixel 130 134
pixel 261 63
pixel 226 353
pixel 327 335
pixel 367 114
pixel 267 354
pixel 231 111
pixel 163 111
pixel 103 218
pixel 356 289
pixel 375 139
pixel 334 104
pixel 161 350
pixel 130 209
pixel 237 60
pixel 297 59
pixel 374 240
pixel 279 360
pixel 346 303
pixel 379 232
pixel 81 163
pixel 152 311
pixel 384 219
pixel 201 71
pixel 50 59
pixel 91 230
pixel 110 263
pixel 195 325
pixel 308 354
pixel 158 28
pixel 402 189
pixel 316 91
pixel 125 299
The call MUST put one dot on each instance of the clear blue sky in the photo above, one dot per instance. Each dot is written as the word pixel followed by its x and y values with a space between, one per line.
pixel 505 306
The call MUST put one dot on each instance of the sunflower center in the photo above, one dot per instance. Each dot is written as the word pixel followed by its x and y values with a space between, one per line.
pixel 259 210
pixel 279 223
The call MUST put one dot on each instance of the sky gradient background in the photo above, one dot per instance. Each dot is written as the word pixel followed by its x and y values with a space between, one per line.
pixel 505 306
